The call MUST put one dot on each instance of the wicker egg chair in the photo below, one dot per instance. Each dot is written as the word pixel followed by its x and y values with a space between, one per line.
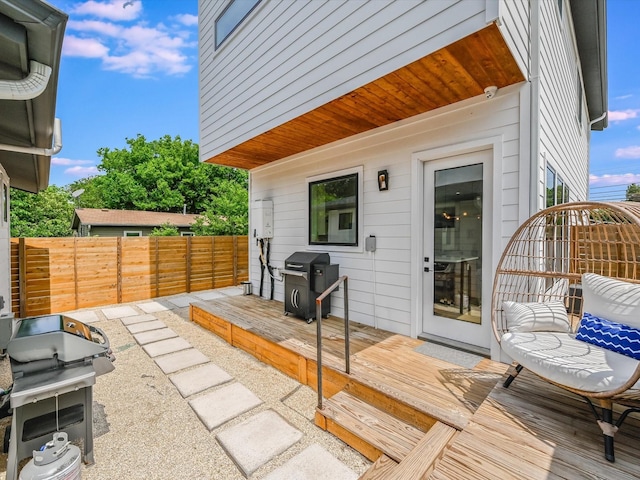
pixel 545 261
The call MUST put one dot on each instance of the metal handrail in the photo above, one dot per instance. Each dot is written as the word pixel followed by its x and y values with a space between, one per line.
pixel 347 366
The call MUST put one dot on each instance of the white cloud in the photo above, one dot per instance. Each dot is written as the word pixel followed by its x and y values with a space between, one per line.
pixel 68 161
pixel 113 9
pixel 624 97
pixel 632 152
pixel 186 19
pixel 136 49
pixel 621 115
pixel 84 47
pixel 81 172
pixel 612 180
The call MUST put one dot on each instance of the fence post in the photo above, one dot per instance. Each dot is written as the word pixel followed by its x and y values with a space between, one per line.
pixel 75 271
pixel 235 260
pixel 22 276
pixel 188 259
pixel 213 262
pixel 119 269
pixel 157 243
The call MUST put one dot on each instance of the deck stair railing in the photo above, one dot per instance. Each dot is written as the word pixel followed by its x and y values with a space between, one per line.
pixel 344 279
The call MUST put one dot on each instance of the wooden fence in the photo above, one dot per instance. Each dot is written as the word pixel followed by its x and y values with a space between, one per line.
pixel 50 275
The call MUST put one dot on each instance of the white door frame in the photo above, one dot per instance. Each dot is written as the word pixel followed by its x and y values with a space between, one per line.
pixel 495 144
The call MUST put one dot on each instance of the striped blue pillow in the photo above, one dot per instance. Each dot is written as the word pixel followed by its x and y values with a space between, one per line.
pixel 613 336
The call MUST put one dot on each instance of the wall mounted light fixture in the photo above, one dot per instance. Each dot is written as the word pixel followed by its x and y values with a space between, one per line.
pixel 383 180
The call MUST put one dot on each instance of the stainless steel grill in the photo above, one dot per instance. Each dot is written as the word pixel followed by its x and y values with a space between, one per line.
pixel 54 362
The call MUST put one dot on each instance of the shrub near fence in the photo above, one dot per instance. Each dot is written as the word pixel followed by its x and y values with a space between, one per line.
pixel 51 275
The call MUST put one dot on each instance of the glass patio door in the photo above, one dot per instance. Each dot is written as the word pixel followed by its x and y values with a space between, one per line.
pixel 454 247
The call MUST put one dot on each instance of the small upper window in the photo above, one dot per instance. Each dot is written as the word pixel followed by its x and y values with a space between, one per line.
pixel 132 233
pixel 187 234
pixel 333 211
pixel 557 189
pixel 232 17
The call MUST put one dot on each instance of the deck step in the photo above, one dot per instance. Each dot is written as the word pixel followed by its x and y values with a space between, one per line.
pixel 382 468
pixel 366 428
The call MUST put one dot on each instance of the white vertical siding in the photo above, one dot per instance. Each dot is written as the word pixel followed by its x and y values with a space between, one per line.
pixel 387 214
pixel 288 58
pixel 564 140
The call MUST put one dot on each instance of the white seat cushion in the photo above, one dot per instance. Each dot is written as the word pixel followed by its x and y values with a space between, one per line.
pixel 561 358
pixel 612 299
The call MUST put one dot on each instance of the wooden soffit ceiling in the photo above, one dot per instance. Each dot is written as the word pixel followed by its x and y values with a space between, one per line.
pixel 454 73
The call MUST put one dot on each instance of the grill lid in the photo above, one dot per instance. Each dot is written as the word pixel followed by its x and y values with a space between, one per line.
pixel 302 261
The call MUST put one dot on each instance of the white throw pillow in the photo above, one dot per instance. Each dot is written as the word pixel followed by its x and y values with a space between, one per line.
pixel 612 299
pixel 536 317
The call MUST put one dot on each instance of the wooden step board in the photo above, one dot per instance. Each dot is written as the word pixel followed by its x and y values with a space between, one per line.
pixel 367 429
pixel 420 462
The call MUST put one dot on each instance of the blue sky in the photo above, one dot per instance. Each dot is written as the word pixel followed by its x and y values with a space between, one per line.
pixel 124 71
pixel 131 67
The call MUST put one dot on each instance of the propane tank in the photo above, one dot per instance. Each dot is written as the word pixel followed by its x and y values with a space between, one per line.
pixel 56 460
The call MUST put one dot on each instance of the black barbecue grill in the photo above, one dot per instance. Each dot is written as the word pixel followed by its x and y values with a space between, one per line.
pixel 307 275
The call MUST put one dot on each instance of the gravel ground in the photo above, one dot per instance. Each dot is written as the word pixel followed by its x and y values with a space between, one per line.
pixel 144 429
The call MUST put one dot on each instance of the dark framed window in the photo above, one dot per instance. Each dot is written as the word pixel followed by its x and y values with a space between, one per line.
pixel 232 16
pixel 333 211
pixel 557 189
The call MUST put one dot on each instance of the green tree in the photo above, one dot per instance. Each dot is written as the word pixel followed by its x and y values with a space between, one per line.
pixel 166 175
pixel 46 214
pixel 633 193
pixel 165 230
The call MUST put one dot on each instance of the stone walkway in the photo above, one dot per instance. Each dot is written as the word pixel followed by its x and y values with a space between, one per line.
pixel 216 397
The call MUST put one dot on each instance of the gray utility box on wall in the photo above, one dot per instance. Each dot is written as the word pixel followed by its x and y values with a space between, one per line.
pixel 307 275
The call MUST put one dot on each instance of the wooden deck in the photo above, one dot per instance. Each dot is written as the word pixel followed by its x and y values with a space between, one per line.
pixel 445 421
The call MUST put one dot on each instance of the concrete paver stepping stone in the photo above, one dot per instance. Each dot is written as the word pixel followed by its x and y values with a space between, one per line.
pixel 182 301
pixel 87 316
pixel 138 319
pixel 152 307
pixel 146 326
pixel 231 291
pixel 154 336
pixel 119 312
pixel 180 360
pixel 209 295
pixel 313 463
pixel 220 406
pixel 163 347
pixel 257 440
pixel 199 379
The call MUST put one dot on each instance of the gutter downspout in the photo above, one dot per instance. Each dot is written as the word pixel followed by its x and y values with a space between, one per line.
pixel 47 152
pixel 29 87
pixel 596 120
pixel 534 105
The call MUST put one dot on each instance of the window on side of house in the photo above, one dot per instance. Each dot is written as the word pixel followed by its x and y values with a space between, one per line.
pixel 132 233
pixel 557 190
pixel 550 185
pixel 579 105
pixel 333 211
pixel 232 16
pixel 186 234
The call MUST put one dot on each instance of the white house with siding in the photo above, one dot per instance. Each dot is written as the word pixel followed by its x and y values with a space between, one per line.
pixel 435 126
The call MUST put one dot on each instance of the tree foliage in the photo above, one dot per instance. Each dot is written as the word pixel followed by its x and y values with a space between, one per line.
pixel 46 214
pixel 165 230
pixel 633 193
pixel 166 175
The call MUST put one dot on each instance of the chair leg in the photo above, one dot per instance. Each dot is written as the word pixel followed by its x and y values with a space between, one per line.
pixel 609 429
pixel 512 376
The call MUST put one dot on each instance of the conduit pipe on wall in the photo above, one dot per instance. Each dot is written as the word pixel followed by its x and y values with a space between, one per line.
pixel 47 152
pixel 29 87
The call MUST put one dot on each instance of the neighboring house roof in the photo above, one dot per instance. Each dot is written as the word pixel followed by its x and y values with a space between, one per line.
pixel 30 31
pixel 590 24
pixel 129 218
